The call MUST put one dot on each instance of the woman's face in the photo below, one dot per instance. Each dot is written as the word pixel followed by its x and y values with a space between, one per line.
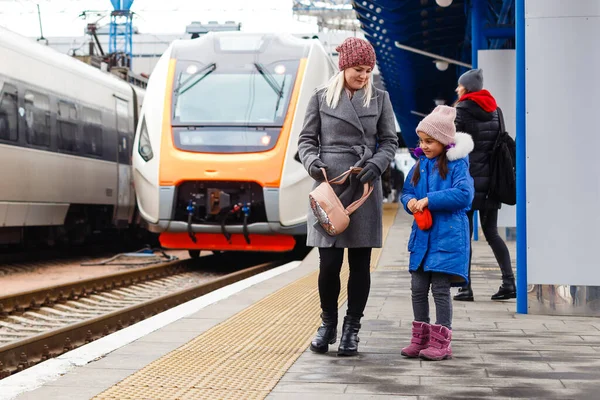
pixel 460 91
pixel 357 77
pixel 431 147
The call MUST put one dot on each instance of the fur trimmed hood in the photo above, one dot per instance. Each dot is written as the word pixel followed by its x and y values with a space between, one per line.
pixel 463 145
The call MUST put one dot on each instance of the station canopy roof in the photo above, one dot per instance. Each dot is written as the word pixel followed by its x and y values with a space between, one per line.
pixel 413 80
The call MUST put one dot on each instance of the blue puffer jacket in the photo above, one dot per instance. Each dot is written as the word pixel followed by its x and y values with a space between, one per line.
pixel 445 246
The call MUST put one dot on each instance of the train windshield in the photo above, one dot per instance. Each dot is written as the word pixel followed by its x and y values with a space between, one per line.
pixel 225 94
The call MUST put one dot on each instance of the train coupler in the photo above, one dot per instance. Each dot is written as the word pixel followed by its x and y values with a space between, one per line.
pixel 191 208
pixel 246 211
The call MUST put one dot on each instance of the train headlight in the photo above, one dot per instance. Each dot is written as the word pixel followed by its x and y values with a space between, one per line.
pixel 265 140
pixel 144 147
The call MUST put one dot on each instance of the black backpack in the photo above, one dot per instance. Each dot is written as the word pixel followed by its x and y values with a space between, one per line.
pixel 503 167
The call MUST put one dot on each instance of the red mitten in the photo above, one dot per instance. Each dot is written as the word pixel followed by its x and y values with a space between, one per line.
pixel 423 218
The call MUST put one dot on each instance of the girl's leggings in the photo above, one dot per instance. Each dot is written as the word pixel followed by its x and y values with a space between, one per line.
pixel 440 287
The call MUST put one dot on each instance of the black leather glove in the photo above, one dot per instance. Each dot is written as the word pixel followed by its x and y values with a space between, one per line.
pixel 369 173
pixel 315 170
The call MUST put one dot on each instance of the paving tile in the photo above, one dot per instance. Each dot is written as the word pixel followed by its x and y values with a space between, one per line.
pixel 334 377
pixel 198 325
pixel 320 369
pixel 584 383
pixel 152 348
pixel 537 393
pixel 386 386
pixel 61 393
pixel 493 382
pixel 315 387
pixel 166 336
pixel 311 396
pixel 123 361
pixel 87 377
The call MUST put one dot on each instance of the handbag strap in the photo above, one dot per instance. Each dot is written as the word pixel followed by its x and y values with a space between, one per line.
pixel 367 190
pixel 501 118
pixel 340 179
pixel 496 143
pixel 502 130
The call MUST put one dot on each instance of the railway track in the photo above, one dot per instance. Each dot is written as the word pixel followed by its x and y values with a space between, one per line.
pixel 20 262
pixel 41 324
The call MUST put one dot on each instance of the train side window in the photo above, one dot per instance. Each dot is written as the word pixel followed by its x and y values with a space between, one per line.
pixel 125 132
pixel 67 126
pixel 9 105
pixel 37 118
pixel 92 131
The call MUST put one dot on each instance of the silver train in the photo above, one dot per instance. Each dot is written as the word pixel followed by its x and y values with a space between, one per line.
pixel 66 134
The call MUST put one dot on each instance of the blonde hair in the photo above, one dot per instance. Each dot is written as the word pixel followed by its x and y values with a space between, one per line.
pixel 335 87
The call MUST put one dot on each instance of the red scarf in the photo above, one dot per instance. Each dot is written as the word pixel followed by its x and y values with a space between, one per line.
pixel 483 98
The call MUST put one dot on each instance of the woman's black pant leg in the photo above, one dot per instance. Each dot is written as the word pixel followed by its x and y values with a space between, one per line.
pixel 489 223
pixel 470 216
pixel 330 265
pixel 359 283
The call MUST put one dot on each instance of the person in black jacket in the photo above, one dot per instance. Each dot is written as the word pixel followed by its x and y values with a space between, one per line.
pixel 476 114
pixel 397 180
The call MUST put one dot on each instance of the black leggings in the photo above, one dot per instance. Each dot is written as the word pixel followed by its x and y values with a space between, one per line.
pixel 489 223
pixel 359 282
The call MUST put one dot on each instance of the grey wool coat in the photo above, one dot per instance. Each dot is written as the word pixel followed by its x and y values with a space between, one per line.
pixel 349 135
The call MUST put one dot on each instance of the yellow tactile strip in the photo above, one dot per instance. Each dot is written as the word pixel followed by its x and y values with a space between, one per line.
pixel 245 356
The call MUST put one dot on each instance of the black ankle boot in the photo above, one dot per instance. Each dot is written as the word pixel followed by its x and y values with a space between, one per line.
pixel 506 291
pixel 326 334
pixel 349 340
pixel 464 294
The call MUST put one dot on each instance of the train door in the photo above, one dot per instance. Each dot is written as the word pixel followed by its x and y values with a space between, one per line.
pixel 125 195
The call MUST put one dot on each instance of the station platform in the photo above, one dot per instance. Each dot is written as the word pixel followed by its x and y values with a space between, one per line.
pixel 253 344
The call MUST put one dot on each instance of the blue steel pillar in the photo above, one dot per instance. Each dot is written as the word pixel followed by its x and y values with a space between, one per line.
pixel 477 42
pixel 121 29
pixel 521 160
pixel 478 16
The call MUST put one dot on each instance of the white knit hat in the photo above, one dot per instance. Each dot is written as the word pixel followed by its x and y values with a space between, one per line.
pixel 439 124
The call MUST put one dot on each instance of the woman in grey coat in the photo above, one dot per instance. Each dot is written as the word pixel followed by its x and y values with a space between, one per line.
pixel 348 123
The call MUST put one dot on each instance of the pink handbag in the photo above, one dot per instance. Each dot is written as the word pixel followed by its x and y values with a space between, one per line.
pixel 328 208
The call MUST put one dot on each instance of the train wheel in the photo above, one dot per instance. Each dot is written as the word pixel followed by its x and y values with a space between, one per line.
pixel 194 254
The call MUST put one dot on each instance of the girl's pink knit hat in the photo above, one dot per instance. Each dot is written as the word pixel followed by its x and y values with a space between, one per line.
pixel 354 51
pixel 439 124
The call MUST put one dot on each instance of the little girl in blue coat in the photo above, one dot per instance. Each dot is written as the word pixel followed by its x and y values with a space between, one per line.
pixel 439 256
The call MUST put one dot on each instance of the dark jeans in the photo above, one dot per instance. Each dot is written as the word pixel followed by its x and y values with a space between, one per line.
pixel 489 223
pixel 359 282
pixel 440 288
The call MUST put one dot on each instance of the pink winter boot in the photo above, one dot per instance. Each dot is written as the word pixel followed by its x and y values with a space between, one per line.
pixel 440 347
pixel 419 341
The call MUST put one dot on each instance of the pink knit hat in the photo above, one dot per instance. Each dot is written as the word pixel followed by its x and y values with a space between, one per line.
pixel 354 51
pixel 439 124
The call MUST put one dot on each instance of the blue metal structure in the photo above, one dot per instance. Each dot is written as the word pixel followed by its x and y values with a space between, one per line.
pixel 121 32
pixel 455 32
pixel 415 84
pixel 521 162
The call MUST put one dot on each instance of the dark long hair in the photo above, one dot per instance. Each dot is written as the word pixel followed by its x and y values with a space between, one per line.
pixel 441 165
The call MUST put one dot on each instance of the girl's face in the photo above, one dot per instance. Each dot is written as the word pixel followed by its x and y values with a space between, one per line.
pixel 431 147
pixel 460 91
pixel 357 77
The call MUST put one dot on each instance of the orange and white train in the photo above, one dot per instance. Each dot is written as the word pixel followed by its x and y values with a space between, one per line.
pixel 215 154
